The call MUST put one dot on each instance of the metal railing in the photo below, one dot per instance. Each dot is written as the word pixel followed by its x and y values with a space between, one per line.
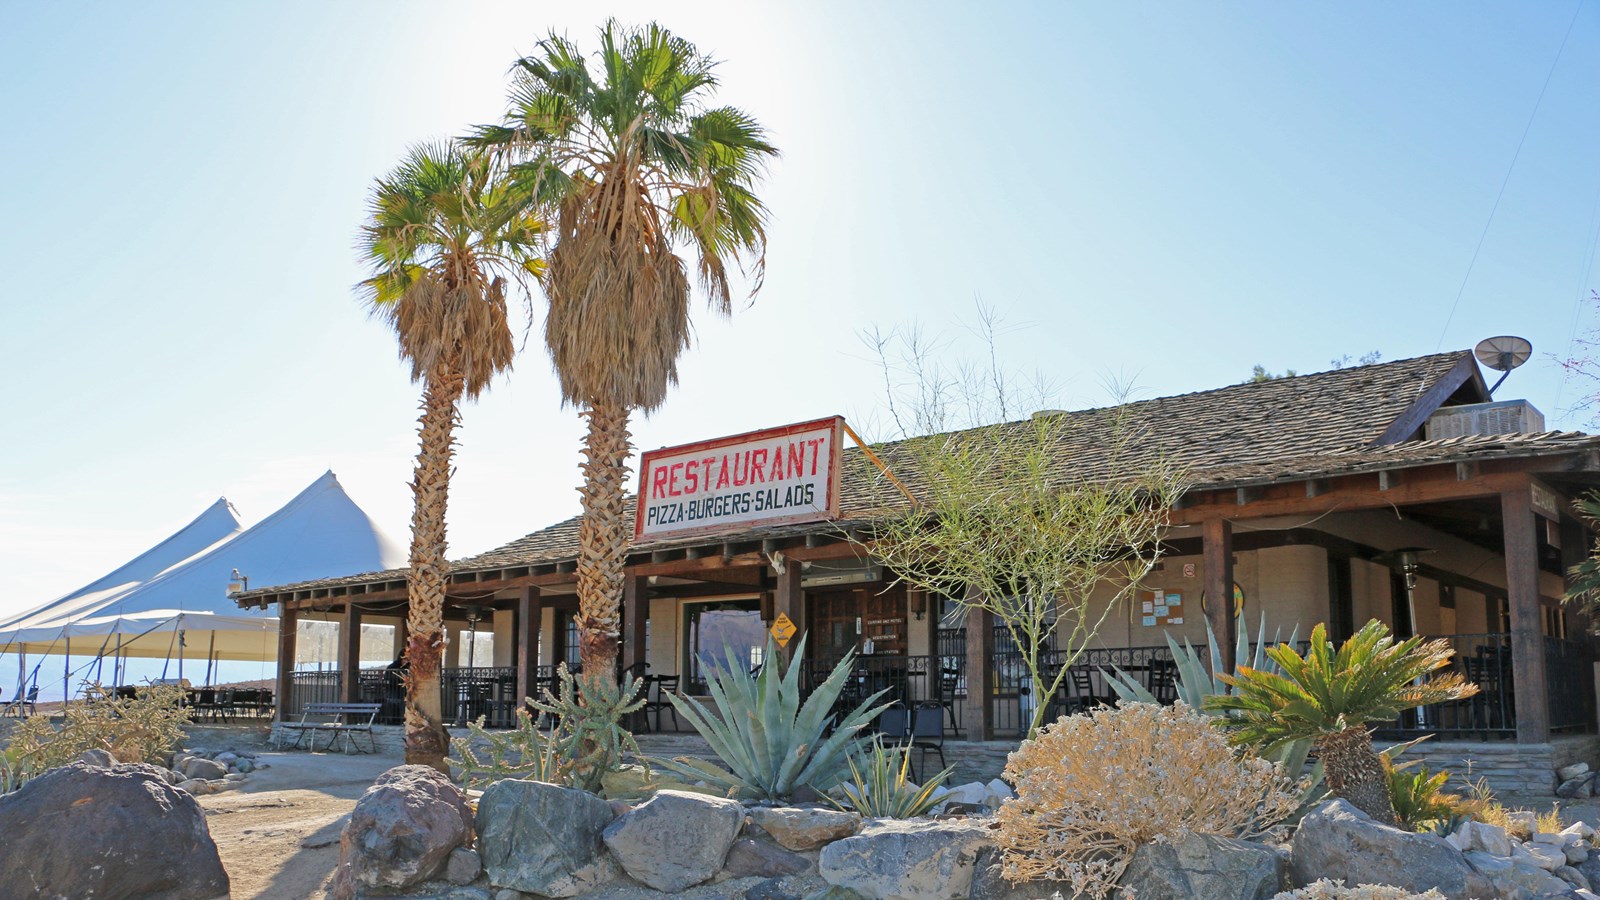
pixel 465 693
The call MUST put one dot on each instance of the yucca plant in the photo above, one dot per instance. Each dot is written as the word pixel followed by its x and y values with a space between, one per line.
pixel 771 742
pixel 1331 697
pixel 879 789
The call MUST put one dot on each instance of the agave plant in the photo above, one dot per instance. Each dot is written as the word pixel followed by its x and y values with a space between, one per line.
pixel 1198 680
pixel 878 787
pixel 771 741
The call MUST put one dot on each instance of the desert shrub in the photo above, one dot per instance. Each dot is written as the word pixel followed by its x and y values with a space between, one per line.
pixel 588 734
pixel 1549 821
pixel 878 787
pixel 771 742
pixel 523 752
pixel 143 728
pixel 1092 789
pixel 1336 890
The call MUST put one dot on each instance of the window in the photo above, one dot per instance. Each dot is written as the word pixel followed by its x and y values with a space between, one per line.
pixel 567 639
pixel 712 630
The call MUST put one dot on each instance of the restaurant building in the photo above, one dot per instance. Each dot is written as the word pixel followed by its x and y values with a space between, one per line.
pixel 1398 491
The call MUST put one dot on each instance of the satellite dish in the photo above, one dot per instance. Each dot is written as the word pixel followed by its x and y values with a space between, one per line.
pixel 1502 354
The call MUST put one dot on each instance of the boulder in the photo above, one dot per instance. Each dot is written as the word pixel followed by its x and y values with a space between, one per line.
pixel 1590 868
pixel 804 829
pixel 86 831
pixel 195 787
pixel 1491 839
pixel 789 887
pixel 97 757
pixel 1541 855
pixel 1576 770
pixel 1204 865
pixel 543 839
pixel 1572 876
pixel 897 859
pixel 1515 879
pixel 676 839
pixel 1521 823
pixel 752 858
pixel 226 758
pixel 401 832
pixel 463 866
pixel 245 766
pixel 197 767
pixel 1340 842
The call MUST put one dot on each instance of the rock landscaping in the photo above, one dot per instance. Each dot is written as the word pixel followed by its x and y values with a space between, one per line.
pixel 107 831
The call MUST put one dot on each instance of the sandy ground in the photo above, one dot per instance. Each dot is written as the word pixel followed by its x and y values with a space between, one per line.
pixel 279 834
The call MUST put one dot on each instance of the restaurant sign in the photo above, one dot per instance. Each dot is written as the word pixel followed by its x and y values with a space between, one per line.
pixel 769 477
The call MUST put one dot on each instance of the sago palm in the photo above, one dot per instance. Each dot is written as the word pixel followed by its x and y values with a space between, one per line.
pixel 1332 697
pixel 443 242
pixel 632 166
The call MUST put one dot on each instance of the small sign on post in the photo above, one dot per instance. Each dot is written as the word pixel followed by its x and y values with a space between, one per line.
pixel 783 628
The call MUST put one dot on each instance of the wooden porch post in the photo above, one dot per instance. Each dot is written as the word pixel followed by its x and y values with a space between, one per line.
pixel 789 601
pixel 350 654
pixel 1217 546
pixel 635 618
pixel 288 627
pixel 1527 631
pixel 530 614
pixel 978 715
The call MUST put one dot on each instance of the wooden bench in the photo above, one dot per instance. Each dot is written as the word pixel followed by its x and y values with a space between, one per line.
pixel 342 721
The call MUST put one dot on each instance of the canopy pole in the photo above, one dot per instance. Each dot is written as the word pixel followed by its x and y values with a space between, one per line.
pixel 211 648
pixel 66 676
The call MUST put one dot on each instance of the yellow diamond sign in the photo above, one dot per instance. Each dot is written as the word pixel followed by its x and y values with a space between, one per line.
pixel 783 628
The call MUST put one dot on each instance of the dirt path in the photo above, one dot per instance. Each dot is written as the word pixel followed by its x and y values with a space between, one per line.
pixel 279 834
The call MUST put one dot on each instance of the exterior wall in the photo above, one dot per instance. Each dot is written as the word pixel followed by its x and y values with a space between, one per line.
pixel 1523 769
pixel 1369 592
pixel 505 637
pixel 665 618
pixel 547 637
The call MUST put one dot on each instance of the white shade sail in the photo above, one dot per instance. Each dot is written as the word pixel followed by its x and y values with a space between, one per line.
pixel 321 533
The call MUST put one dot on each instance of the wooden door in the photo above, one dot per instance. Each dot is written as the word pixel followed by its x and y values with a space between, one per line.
pixel 861 619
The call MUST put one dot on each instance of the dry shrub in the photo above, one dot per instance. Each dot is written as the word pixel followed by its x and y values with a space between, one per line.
pixel 141 729
pixel 1092 789
pixel 1335 890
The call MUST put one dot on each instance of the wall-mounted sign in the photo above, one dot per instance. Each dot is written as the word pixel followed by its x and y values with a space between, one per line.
pixel 1158 609
pixel 770 477
pixel 1238 601
pixel 1546 502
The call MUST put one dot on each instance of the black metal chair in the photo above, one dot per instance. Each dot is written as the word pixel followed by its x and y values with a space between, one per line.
pixel 657 689
pixel 1163 681
pixel 927 736
pixel 1084 697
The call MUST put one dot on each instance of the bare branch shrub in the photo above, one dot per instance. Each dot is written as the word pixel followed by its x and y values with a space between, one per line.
pixel 141 729
pixel 1336 890
pixel 1091 789
pixel 1048 523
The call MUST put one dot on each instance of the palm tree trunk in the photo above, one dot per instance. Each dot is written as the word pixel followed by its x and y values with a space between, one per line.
pixel 427 742
pixel 1355 773
pixel 603 538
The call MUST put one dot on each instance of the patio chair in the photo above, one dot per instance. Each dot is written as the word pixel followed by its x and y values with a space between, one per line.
pixel 894 724
pixel 927 736
pixel 1163 682
pixel 24 706
pixel 1084 697
pixel 658 688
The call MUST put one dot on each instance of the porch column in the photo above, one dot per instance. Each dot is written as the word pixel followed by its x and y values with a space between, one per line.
pixel 1217 546
pixel 788 601
pixel 1574 549
pixel 288 627
pixel 530 614
pixel 1527 631
pixel 350 654
pixel 978 715
pixel 635 618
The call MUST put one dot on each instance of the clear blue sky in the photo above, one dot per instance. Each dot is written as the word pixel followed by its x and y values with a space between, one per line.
pixel 1168 192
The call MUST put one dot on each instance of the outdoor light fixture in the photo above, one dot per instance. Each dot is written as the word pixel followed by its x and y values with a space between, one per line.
pixel 238 583
pixel 919 604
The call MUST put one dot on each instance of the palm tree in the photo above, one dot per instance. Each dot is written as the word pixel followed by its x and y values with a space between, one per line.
pixel 632 165
pixel 441 239
pixel 1331 697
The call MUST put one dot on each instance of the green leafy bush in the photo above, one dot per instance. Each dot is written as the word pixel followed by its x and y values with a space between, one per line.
pixel 140 729
pixel 878 787
pixel 771 742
